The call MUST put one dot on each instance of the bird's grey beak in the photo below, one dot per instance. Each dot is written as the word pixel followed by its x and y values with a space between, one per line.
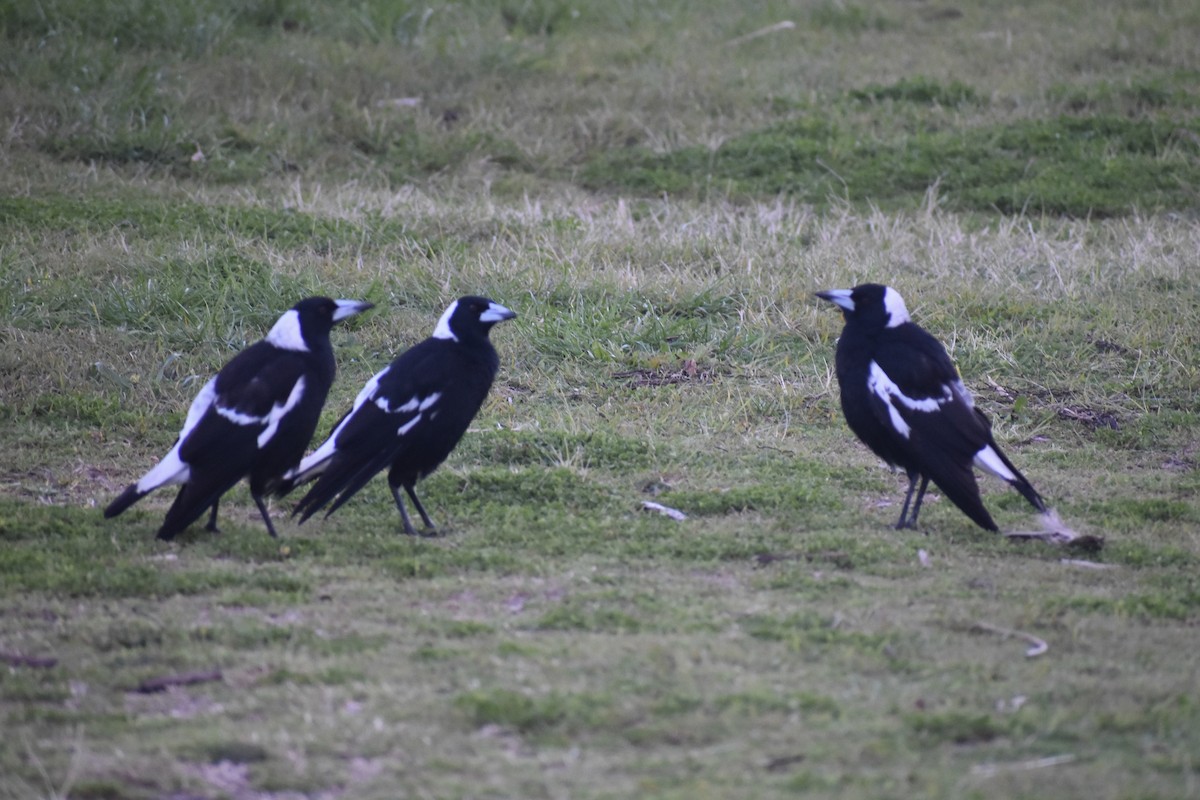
pixel 839 297
pixel 348 308
pixel 496 313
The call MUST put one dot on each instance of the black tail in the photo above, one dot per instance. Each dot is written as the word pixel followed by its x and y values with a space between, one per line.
pixel 286 484
pixel 191 502
pixel 1021 484
pixel 282 487
pixel 128 497
pixel 959 487
pixel 342 479
pixel 1019 481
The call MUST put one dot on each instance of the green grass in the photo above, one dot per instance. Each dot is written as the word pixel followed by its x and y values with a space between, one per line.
pixel 657 189
pixel 1091 166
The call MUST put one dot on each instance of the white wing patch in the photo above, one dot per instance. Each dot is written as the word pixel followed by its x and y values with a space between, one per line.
pixel 886 390
pixel 172 469
pixel 988 460
pixel 314 464
pixel 271 419
pixel 386 407
pixel 203 401
pixel 286 334
pixel 278 412
pixel 238 417
pixel 414 403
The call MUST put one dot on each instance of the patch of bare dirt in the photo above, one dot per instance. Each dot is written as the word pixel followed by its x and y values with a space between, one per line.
pixel 688 371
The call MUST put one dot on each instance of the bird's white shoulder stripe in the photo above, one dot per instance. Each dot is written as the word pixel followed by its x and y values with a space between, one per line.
pixel 286 334
pixel 988 460
pixel 172 469
pixel 278 412
pixel 963 393
pixel 411 405
pixel 886 390
pixel 408 426
pixel 204 401
pixel 239 417
pixel 270 419
pixel 314 463
pixel 414 403
pixel 368 390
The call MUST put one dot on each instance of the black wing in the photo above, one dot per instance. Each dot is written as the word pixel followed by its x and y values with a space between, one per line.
pixel 253 391
pixel 381 425
pixel 917 392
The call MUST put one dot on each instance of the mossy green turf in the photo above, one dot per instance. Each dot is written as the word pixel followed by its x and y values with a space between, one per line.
pixel 657 189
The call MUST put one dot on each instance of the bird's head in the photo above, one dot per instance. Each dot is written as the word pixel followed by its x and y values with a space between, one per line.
pixel 311 320
pixel 470 317
pixel 869 304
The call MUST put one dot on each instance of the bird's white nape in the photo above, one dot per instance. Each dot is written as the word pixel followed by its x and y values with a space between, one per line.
pixel 893 304
pixel 286 334
pixel 442 330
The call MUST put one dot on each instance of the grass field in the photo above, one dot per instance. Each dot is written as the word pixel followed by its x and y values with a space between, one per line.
pixel 657 189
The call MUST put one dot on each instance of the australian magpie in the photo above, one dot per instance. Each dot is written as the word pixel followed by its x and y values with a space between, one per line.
pixel 409 416
pixel 903 397
pixel 254 419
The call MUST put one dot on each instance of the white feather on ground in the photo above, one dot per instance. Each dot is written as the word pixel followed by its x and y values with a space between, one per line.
pixel 1055 531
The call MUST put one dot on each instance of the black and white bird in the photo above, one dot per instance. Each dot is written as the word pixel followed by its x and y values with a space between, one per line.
pixel 409 416
pixel 903 397
pixel 254 419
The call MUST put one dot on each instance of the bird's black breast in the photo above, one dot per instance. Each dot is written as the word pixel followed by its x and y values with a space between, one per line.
pixel 865 413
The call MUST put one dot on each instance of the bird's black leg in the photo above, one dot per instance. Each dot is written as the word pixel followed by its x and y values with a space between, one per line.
pixel 408 526
pixel 904 522
pixel 430 528
pixel 262 509
pixel 916 509
pixel 212 519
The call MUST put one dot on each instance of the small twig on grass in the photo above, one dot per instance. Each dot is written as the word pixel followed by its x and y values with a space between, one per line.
pixel 1055 531
pixel 1079 562
pixel 784 25
pixel 164 682
pixel 18 660
pixel 673 513
pixel 1038 647
pixel 989 770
